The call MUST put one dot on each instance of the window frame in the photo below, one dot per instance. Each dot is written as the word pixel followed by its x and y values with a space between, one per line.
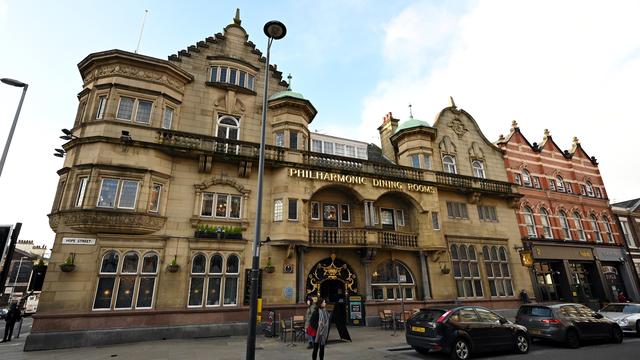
pixel 278 210
pixel 134 109
pixel 153 189
pixel 526 178
pixel 564 220
pixel 207 275
pixel 448 166
pixel 577 219
pixel 477 167
pixel 342 218
pixel 164 117
pixel 101 107
pixel 457 259
pixel 317 205
pixel 595 229
pixel 545 221
pixel 118 193
pixel 82 191
pixel 289 208
pixel 530 222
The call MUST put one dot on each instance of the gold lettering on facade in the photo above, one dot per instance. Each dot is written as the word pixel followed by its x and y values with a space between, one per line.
pixel 359 180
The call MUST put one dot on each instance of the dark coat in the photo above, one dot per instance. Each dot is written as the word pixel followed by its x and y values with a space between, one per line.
pixel 13 315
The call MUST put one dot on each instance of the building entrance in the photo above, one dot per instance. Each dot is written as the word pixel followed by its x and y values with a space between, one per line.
pixel 332 290
pixel 331 278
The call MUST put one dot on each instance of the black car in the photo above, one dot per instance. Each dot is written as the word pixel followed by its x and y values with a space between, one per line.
pixel 462 330
pixel 568 323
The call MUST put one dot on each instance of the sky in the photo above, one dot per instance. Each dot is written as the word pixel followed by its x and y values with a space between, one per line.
pixel 572 67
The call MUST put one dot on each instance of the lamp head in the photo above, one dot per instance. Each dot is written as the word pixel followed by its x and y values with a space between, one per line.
pixel 60 151
pixel 65 137
pixel 275 29
pixel 17 83
pixel 67 132
pixel 58 155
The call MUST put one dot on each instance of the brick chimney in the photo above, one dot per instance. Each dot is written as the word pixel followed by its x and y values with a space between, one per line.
pixel 387 129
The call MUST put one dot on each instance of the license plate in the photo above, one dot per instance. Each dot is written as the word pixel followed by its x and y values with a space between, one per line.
pixel 535 332
pixel 418 329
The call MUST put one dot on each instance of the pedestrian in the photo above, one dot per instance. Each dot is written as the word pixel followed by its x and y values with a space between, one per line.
pixel 12 317
pixel 321 320
pixel 310 332
pixel 621 297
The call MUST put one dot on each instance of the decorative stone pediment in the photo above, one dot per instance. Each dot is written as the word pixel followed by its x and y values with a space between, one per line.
pixel 134 72
pixel 222 181
pixel 107 221
pixel 458 127
pixel 447 146
pixel 475 152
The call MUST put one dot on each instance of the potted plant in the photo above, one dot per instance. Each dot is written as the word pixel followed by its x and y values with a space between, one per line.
pixel 269 268
pixel 232 232
pixel 444 269
pixel 173 265
pixel 68 265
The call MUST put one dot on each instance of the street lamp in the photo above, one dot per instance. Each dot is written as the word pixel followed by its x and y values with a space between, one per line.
pixel 24 87
pixel 275 30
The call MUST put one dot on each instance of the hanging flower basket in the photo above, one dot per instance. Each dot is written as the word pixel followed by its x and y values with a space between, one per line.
pixel 270 269
pixel 67 267
pixel 445 270
pixel 172 268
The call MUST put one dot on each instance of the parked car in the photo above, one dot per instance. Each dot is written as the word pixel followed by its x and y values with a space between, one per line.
pixel 568 323
pixel 3 313
pixel 463 330
pixel 627 315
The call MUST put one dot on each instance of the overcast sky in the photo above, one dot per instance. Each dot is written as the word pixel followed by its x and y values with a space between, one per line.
pixel 570 66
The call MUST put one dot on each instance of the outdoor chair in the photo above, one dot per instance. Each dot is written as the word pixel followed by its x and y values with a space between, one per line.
pixel 284 330
pixel 298 327
pixel 386 319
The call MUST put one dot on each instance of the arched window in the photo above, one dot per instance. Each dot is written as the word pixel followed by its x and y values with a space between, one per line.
pixel 449 163
pixel 546 223
pixel 529 222
pixel 478 169
pixel 560 183
pixel 595 228
pixel 526 178
pixel 607 228
pixel 564 222
pixel 133 284
pixel 590 189
pixel 578 220
pixel 228 128
pixel 496 263
pixel 214 285
pixel 466 271
pixel 384 282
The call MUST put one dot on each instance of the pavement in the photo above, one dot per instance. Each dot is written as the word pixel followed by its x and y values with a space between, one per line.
pixel 368 343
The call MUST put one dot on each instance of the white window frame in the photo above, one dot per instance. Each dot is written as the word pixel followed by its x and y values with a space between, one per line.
pixel 400 217
pixel 564 224
pixel 214 205
pixel 82 188
pixel 478 169
pixel 278 210
pixel 560 183
pixel 385 286
pixel 350 151
pixel 170 110
pixel 102 106
pixel 118 193
pixel 415 161
pixel 501 262
pixel 589 187
pixel 470 277
pixel 526 178
pixel 595 228
pixel 348 213
pixel 279 138
pixel 626 232
pixel 154 186
pixel 607 229
pixel 427 161
pixel 529 222
pixel 449 167
pixel 435 220
pixel 340 149
pixel 517 178
pixel 545 220
pixel 134 110
pixel 316 145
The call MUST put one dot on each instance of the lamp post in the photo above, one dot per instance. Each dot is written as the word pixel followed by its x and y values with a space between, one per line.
pixel 274 30
pixel 24 87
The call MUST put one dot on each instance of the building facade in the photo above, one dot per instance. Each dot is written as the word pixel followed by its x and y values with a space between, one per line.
pixel 571 241
pixel 628 215
pixel 155 208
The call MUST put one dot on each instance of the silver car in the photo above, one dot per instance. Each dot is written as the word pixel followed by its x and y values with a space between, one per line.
pixel 625 314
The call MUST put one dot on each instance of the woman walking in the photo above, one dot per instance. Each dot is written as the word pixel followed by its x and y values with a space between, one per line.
pixel 321 320
pixel 310 332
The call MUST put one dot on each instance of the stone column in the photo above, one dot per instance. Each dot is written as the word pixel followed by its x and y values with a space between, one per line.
pixel 367 279
pixel 424 270
pixel 300 275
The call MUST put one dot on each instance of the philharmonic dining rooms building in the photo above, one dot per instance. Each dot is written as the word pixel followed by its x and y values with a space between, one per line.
pixel 156 200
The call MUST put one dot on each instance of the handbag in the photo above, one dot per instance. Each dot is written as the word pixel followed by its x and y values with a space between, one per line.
pixel 311 331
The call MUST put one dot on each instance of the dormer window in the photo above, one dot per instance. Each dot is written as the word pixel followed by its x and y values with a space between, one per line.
pixel 233 76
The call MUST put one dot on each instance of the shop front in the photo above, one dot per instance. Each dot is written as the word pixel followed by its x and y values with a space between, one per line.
pixel 617 270
pixel 566 273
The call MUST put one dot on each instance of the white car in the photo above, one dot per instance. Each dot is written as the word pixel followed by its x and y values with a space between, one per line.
pixel 627 315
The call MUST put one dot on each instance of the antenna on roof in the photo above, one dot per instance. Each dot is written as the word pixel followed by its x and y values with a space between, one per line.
pixel 141 30
pixel 410 112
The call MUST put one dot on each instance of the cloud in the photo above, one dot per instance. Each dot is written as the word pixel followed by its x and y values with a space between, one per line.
pixel 570 67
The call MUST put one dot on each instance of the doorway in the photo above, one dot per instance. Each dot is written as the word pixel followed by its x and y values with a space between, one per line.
pixel 332 290
pixel 387 219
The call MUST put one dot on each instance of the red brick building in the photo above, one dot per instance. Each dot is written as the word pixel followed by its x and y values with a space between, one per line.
pixel 571 241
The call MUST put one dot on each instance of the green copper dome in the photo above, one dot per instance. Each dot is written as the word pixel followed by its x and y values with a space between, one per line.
pixel 412 123
pixel 286 93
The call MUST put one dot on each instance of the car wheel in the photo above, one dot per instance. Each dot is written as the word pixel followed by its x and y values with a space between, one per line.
pixel 461 350
pixel 522 343
pixel 616 335
pixel 421 350
pixel 573 340
pixel 637 327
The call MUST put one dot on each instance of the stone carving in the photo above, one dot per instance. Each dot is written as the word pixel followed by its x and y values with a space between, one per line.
pixel 331 268
pixel 223 181
pixel 108 221
pixel 447 146
pixel 134 72
pixel 475 152
pixel 230 103
pixel 458 127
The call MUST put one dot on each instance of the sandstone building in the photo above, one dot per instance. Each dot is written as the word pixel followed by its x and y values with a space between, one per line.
pixel 628 214
pixel 571 240
pixel 155 205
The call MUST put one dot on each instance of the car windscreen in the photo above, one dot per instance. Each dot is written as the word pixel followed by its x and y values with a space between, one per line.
pixel 539 311
pixel 621 308
pixel 428 315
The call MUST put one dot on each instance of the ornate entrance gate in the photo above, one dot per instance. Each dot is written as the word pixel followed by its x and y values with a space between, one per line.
pixel 329 275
